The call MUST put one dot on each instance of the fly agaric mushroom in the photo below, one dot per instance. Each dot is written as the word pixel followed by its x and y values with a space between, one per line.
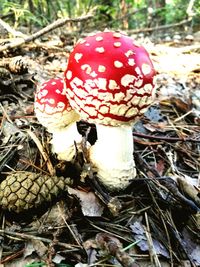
pixel 109 81
pixel 54 112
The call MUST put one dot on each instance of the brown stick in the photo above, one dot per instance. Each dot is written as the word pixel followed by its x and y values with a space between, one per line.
pixel 162 27
pixel 56 24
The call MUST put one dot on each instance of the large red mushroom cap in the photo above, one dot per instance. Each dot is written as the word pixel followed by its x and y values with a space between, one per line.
pixel 52 107
pixel 109 79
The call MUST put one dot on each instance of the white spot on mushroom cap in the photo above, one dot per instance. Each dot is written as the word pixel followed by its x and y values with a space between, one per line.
pixel 76 85
pixel 79 102
pixel 87 68
pixel 146 69
pixel 104 109
pixel 99 38
pixel 138 71
pixel 113 85
pixel 119 96
pixel 129 53
pixel 131 61
pixel 99 49
pixel 93 74
pixel 81 41
pixel 131 112
pixel 140 91
pixel 143 101
pixel 127 79
pixel 117 109
pixel 117 34
pixel 89 83
pixel 117 44
pixel 91 111
pixel 139 82
pixel 53 83
pixel 95 103
pixel 77 81
pixel 58 91
pixel 101 83
pixel 148 87
pixel 101 117
pixel 69 74
pixel 101 68
pixel 42 93
pixel 118 64
pixel 78 56
pixel 135 100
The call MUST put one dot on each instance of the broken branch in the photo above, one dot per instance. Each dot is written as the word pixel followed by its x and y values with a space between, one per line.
pixel 56 24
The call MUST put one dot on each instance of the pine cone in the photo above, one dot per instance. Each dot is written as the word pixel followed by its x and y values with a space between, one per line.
pixel 21 191
pixel 18 65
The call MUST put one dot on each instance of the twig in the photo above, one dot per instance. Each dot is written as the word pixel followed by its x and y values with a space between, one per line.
pixel 165 138
pixel 1 248
pixel 76 238
pixel 56 24
pixel 32 237
pixel 152 251
pixel 42 151
pixel 12 257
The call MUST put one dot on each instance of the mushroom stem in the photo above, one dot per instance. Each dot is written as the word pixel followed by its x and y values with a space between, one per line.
pixel 63 142
pixel 112 156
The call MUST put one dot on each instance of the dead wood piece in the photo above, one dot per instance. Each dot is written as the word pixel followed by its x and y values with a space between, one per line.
pixel 56 24
pixel 112 246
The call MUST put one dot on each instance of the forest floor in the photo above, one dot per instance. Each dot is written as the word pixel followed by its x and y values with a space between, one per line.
pixel 156 220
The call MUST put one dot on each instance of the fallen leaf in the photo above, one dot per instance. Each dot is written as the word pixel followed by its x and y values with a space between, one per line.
pixel 90 204
pixel 139 234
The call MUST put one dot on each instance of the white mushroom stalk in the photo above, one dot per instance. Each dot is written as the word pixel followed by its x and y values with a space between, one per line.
pixel 112 155
pixel 66 141
pixel 109 81
pixel 54 112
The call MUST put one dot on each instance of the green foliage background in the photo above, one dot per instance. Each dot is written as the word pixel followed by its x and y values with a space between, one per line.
pixel 108 13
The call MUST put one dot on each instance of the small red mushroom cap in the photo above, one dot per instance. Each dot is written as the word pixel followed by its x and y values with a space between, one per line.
pixel 109 79
pixel 52 107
